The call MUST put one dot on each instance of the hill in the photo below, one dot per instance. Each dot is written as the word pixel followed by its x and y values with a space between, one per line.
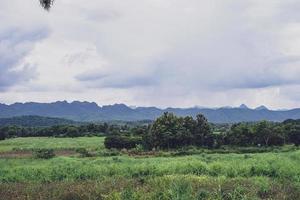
pixel 86 111
pixel 35 121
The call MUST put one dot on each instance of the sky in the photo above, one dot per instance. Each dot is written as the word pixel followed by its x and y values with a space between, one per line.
pixel 165 53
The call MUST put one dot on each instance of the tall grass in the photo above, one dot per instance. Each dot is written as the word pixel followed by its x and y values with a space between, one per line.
pixel 171 187
pixel 273 165
pixel 183 175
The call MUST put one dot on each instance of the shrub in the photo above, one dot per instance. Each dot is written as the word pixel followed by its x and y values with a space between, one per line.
pixel 116 159
pixel 83 152
pixel 276 141
pixel 108 153
pixel 120 142
pixel 294 136
pixel 2 135
pixel 138 149
pixel 44 153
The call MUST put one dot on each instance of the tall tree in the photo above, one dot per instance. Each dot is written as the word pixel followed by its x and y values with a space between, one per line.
pixel 241 134
pixel 263 130
pixel 202 130
pixel 2 135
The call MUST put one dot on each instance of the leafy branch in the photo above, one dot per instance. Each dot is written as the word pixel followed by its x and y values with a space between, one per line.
pixel 46 4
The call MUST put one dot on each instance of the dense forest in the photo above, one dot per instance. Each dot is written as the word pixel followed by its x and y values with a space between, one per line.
pixel 56 131
pixel 168 132
pixel 36 121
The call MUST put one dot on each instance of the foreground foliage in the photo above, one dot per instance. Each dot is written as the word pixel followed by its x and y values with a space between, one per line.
pixel 171 187
pixel 96 173
pixel 282 166
pixel 44 153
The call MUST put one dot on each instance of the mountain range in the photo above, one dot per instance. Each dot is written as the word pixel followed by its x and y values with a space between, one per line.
pixel 89 111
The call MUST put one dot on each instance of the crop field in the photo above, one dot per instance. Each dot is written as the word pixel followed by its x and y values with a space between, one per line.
pixel 111 175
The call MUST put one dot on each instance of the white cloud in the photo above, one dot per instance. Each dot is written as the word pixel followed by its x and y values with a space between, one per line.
pixel 159 52
pixel 18 35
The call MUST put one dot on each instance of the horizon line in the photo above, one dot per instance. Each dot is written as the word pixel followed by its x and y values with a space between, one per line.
pixel 242 105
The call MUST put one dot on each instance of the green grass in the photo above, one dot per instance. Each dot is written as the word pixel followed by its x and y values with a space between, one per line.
pixel 268 175
pixel 274 165
pixel 163 188
pixel 54 143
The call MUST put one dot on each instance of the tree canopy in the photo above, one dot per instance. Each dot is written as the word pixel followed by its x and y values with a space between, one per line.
pixel 46 4
pixel 170 131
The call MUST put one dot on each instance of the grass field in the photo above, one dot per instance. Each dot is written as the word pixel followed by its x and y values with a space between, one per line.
pixel 54 143
pixel 271 175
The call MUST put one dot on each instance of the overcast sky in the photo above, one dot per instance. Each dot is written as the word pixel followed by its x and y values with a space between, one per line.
pixel 178 53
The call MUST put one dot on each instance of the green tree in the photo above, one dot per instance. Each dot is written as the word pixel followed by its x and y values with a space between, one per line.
pixel 2 135
pixel 170 131
pixel 263 132
pixel 241 134
pixel 72 132
pixel 202 131
pixel 294 135
pixel 190 124
pixel 162 130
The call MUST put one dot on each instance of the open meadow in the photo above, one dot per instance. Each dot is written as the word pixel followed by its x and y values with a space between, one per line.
pixel 110 174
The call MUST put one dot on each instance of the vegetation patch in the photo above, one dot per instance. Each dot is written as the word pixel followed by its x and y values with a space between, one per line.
pixel 44 153
pixel 173 158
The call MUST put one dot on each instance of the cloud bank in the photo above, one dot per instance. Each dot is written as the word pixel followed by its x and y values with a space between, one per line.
pixel 152 52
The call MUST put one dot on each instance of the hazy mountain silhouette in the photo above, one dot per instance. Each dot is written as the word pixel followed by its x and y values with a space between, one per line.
pixel 86 111
pixel 261 108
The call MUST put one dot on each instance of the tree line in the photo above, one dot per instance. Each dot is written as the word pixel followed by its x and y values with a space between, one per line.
pixel 72 130
pixel 170 131
pixel 57 130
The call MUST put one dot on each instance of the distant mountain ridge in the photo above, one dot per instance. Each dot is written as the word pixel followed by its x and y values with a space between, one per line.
pixel 86 111
pixel 261 108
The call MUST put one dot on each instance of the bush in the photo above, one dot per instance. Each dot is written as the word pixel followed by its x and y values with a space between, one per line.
pixel 108 153
pixel 122 142
pixel 138 149
pixel 2 135
pixel 294 136
pixel 276 141
pixel 83 152
pixel 44 153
